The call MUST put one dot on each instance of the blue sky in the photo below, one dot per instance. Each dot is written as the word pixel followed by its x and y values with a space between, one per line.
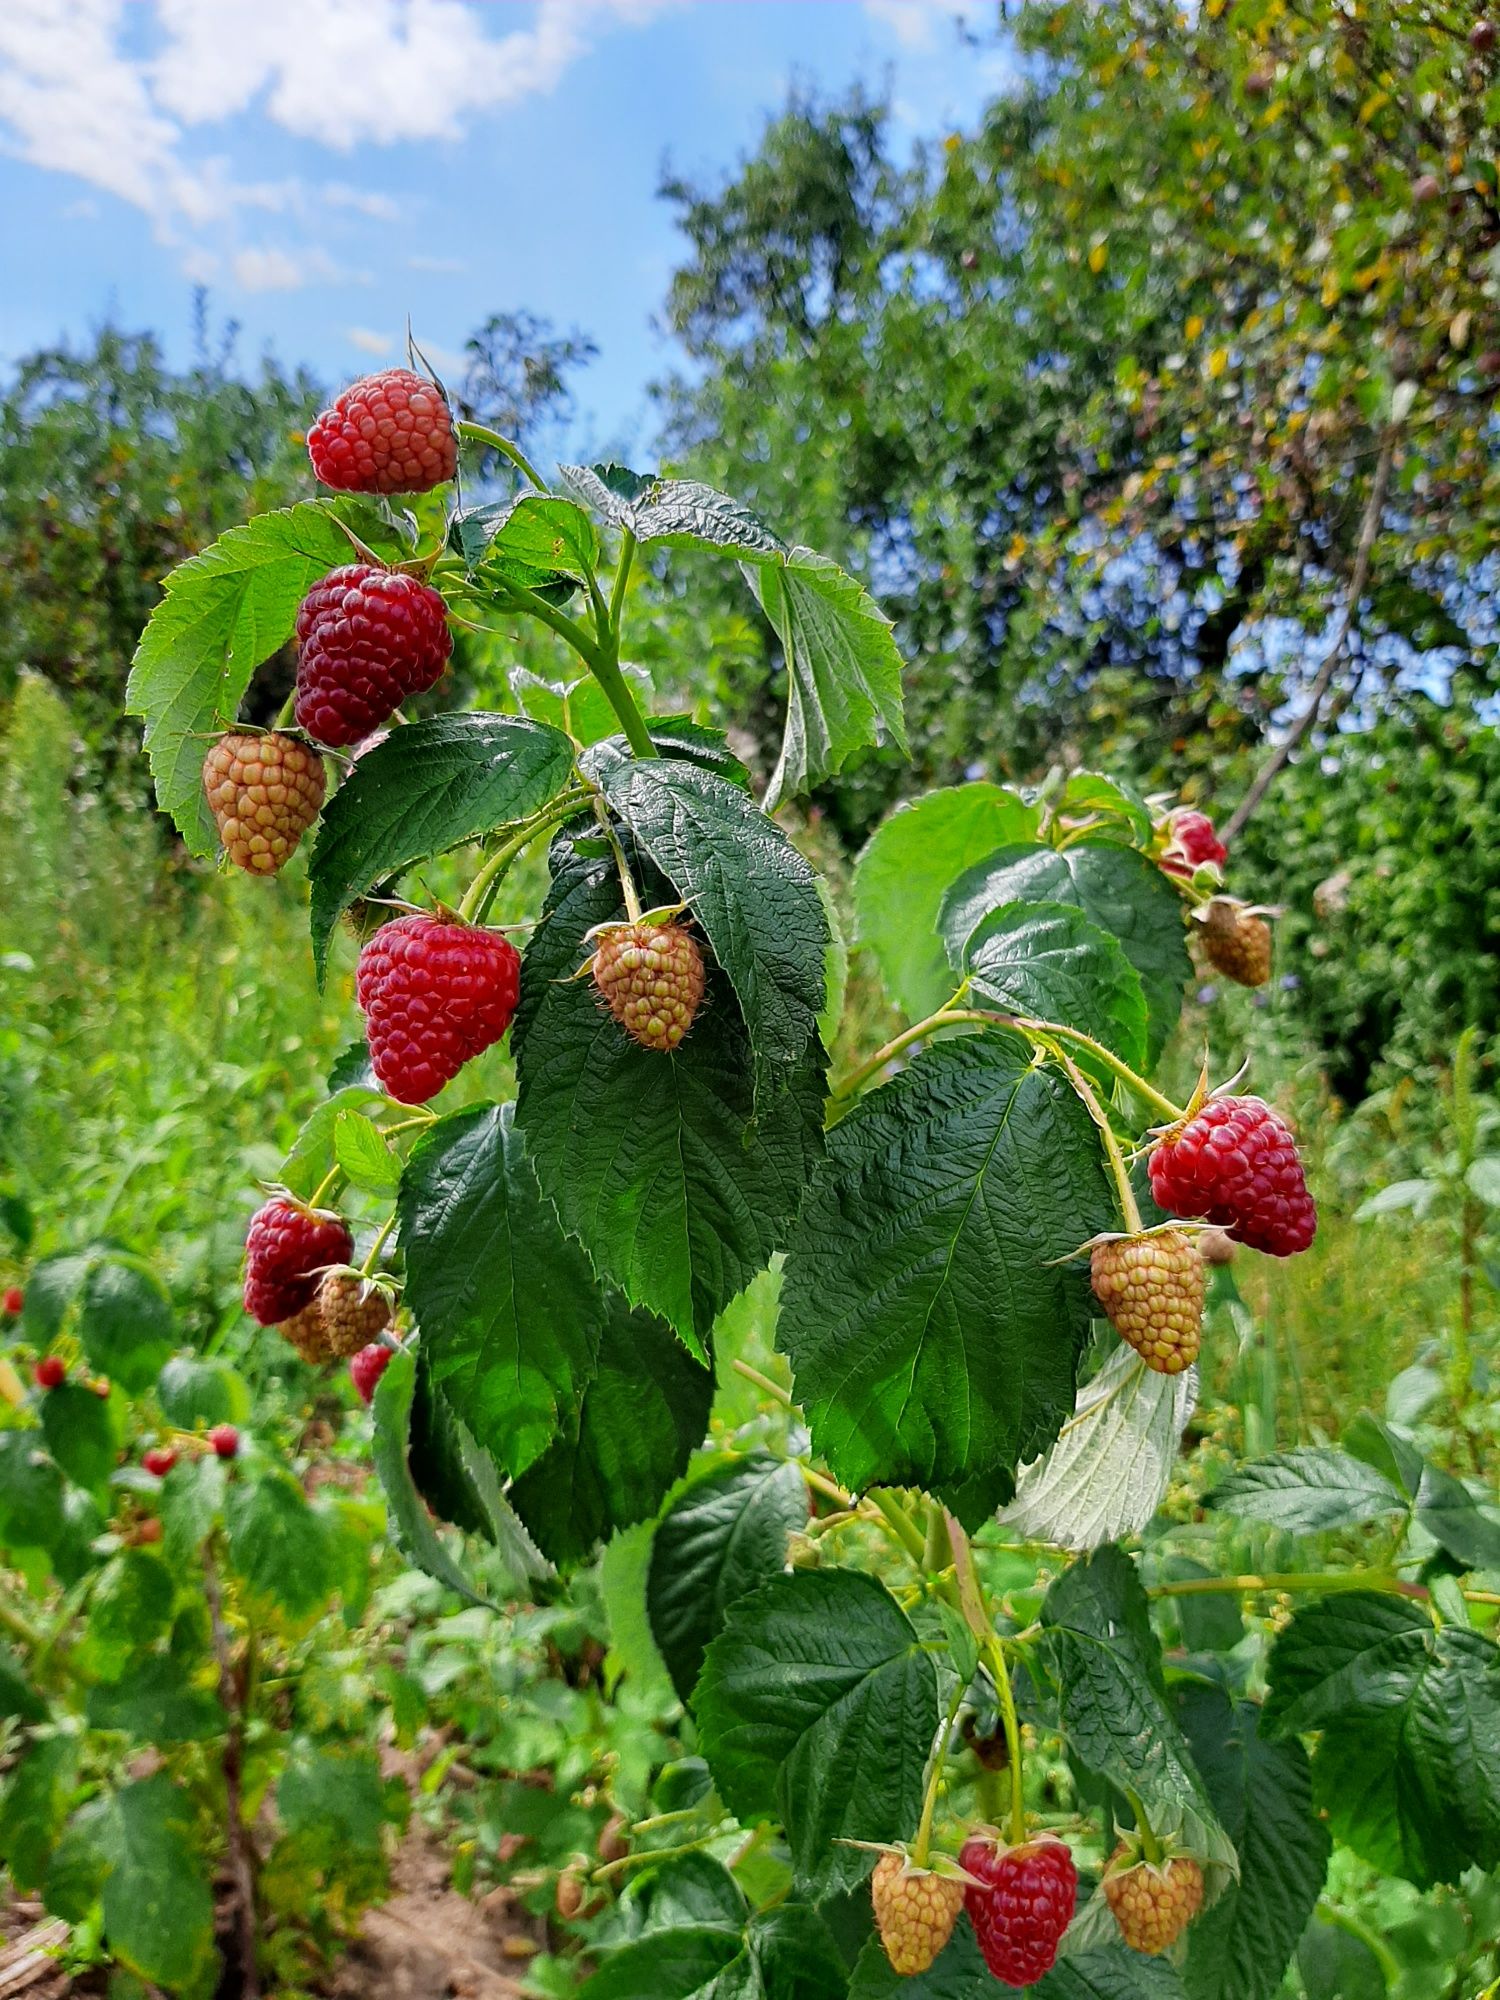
pixel 327 167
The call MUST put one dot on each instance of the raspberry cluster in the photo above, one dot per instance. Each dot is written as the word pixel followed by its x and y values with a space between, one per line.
pixel 287 1250
pixel 368 639
pixel 390 433
pixel 1024 1905
pixel 264 793
pixel 1151 1286
pixel 434 994
pixel 1236 1164
pixel 915 1911
pixel 650 976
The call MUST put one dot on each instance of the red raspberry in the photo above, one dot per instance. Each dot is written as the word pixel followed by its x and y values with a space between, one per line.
pixel 367 640
pixel 1152 1286
pixel 390 433
pixel 1235 1163
pixel 14 1302
pixel 434 994
pixel 159 1461
pixel 650 976
pixel 1019 1916
pixel 915 1912
pixel 224 1441
pixel 367 1367
pixel 1191 840
pixel 264 793
pixel 287 1249
pixel 50 1372
pixel 1236 941
pixel 1153 1902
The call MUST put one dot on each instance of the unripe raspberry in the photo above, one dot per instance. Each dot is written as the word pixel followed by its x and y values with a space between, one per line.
pixel 1026 1903
pixel 345 1314
pixel 224 1441
pixel 367 1367
pixel 1236 941
pixel 1190 841
pixel 367 640
pixel 1153 1902
pixel 287 1250
pixel 50 1372
pixel 915 1912
pixel 264 793
pixel 650 976
pixel 390 433
pixel 159 1460
pixel 1152 1286
pixel 434 994
pixel 1235 1164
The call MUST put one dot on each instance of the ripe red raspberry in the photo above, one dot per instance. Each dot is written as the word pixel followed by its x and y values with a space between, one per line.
pixel 367 1367
pixel 1152 1286
pixel 915 1912
pixel 1153 1902
pixel 264 793
pixel 14 1302
pixel 650 976
pixel 1235 1163
pixel 390 433
pixel 1019 1916
pixel 1236 941
pixel 159 1460
pixel 224 1441
pixel 50 1372
pixel 367 640
pixel 343 1315
pixel 288 1248
pixel 434 995
pixel 1191 841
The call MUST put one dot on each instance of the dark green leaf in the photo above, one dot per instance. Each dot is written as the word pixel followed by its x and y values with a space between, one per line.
pixel 125 1323
pixel 1453 1517
pixel 794 1955
pixel 1103 1972
pixel 131 1607
pixel 1210 1621
pixel 1116 888
pixel 418 1538
pixel 683 514
pixel 667 1965
pixel 37 1507
pixel 352 1070
pixel 278 1544
pixel 50 1290
pixel 84 1432
pixel 429 787
pixel 509 1311
pixel 806 1674
pixel 660 1164
pixel 333 1800
pixel 156 1701
pixel 723 1536
pixel 1389 1450
pixel 933 1335
pixel 644 1412
pixel 609 489
pixel 19 1700
pixel 158 1904
pixel 33 1805
pixel 692 1889
pixel 1305 1490
pixel 194 1392
pixel 1048 961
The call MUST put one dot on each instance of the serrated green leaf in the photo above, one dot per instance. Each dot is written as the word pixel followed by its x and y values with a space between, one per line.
pixel 510 1314
pixel 906 868
pixel 1262 1792
pixel 643 1413
pixel 931 1331
pixel 304 1168
pixel 419 1540
pixel 223 612
pixel 1388 1450
pixel 1408 1770
pixel 367 1159
pixel 677 1184
pixel 580 707
pixel 843 669
pixel 1454 1518
pixel 1089 795
pixel 158 1904
pixel 610 489
pixel 333 1800
pixel 351 1070
pixel 1116 888
pixel 278 1543
pixel 1307 1489
pixel 806 1672
pixel 536 536
pixel 39 1510
pixel 1046 960
pixel 84 1432
pixel 33 1805
pixel 723 1536
pixel 1102 1972
pixel 50 1291
pixel 680 1964
pixel 432 786
pixel 685 514
pixel 156 1701
pixel 192 1391
pixel 746 885
pixel 125 1322
pixel 131 1607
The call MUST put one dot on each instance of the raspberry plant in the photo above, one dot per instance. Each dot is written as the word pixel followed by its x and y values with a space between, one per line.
pixel 563 1262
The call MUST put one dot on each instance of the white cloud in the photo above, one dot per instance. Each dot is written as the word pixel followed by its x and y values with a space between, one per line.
pixel 85 92
pixel 913 22
pixel 370 342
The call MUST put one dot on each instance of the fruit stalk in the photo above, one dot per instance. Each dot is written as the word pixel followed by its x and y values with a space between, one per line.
pixel 1000 1673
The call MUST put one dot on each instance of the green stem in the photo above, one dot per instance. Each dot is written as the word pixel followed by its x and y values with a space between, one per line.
pixel 20 1626
pixel 1120 1173
pixel 481 891
pixel 923 1841
pixel 937 1554
pixel 622 868
pixel 368 1267
pixel 622 578
pixel 654 1854
pixel 1292 1581
pixel 606 670
pixel 1101 1054
pixel 945 1017
pixel 287 710
pixel 325 1186
pixel 577 635
pixel 1375 1944
pixel 1150 1845
pixel 1000 1672
pixel 481 434
pixel 763 1382
pixel 901 1525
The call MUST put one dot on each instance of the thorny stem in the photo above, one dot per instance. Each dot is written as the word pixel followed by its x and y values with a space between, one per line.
pixel 241 1865
pixel 923 1841
pixel 481 434
pixel 627 883
pixel 1117 1167
pixel 480 893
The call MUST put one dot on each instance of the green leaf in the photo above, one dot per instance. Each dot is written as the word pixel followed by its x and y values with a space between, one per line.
pixel 933 1335
pixel 193 1392
pixel 1388 1450
pixel 685 514
pixel 691 1889
pixel 1305 1490
pixel 747 886
pixel 155 1701
pixel 1116 888
pixel 644 1412
pixel 610 489
pixel 158 1904
pixel 1416 1195
pixel 677 1184
pixel 304 1168
pixel 1483 1179
pixel 1103 1660
pixel 510 1315
pixel 84 1432
pixel 1453 1517
pixel 417 1537
pixel 905 869
pixel 37 1509
pixel 682 1964
pixel 34 1804
pixel 125 1322
pixel 50 1290
pixel 429 787
pixel 223 612
pixel 580 708
pixel 333 1800
pixel 843 669
pixel 806 1674
pixel 1048 961
pixel 1088 795
pixel 1262 1793
pixel 368 1161
pixel 1408 1770
pixel 279 1546
pixel 723 1536
pixel 541 532
pixel 130 1609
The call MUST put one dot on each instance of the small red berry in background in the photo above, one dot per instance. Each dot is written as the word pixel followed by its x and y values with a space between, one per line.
pixel 224 1441
pixel 148 1530
pixel 159 1460
pixel 390 433
pixel 434 996
pixel 50 1372
pixel 14 1302
pixel 1025 1905
pixel 367 1367
pixel 1235 1163
pixel 368 639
